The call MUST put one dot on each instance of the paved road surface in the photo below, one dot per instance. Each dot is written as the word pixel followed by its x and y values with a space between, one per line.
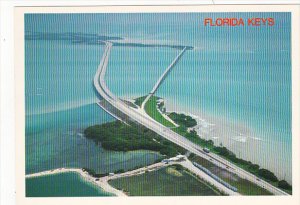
pixel 165 132
pixel 162 77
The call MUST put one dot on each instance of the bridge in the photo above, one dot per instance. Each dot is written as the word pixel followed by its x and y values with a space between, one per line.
pixel 139 117
pixel 162 77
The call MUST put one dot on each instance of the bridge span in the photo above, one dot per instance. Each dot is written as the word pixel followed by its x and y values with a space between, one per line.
pixel 163 77
pixel 139 117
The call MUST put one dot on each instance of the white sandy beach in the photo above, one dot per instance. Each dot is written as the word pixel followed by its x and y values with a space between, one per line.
pixel 103 181
pixel 240 139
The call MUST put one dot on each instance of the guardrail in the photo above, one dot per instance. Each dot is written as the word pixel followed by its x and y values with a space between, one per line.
pixel 215 177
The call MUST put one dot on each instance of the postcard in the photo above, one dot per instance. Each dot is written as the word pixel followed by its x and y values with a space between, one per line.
pixel 149 104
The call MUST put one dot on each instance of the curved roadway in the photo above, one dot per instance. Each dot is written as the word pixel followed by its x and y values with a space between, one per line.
pixel 165 132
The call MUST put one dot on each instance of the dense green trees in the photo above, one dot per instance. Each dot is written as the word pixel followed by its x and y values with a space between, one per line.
pixel 183 120
pixel 267 175
pixel 193 136
pixel 178 167
pixel 254 168
pixel 120 137
pixel 93 173
pixel 284 185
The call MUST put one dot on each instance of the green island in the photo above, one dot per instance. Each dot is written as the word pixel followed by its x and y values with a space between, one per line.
pixel 168 181
pixel 118 136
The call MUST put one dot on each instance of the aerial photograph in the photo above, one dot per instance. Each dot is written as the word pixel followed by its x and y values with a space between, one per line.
pixel 158 104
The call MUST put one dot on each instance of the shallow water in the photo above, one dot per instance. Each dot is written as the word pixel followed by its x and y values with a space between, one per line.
pixel 62 185
pixel 60 104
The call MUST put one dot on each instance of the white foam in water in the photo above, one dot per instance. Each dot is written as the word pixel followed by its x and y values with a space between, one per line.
pixel 61 107
pixel 240 139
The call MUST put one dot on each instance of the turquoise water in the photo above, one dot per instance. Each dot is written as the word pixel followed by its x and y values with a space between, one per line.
pixel 247 97
pixel 141 75
pixel 60 104
pixel 59 75
pixel 55 140
pixel 237 80
pixel 61 185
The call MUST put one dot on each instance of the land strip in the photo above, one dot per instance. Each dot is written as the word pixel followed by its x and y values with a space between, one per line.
pixel 84 174
pixel 102 182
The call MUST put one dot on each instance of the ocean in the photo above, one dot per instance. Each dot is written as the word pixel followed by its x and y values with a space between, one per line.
pixel 236 81
pixel 60 104
pixel 62 185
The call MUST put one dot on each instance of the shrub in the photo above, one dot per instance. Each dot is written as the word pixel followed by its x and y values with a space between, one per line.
pixel 284 185
pixel 267 175
pixel 178 167
pixel 192 155
pixel 120 137
pixel 183 120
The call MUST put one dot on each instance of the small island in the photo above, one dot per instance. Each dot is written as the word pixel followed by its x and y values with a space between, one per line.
pixel 118 136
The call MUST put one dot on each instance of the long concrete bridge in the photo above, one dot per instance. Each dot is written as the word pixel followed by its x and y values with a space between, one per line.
pixel 139 117
pixel 163 77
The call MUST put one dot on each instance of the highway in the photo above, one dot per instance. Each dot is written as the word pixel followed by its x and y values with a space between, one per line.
pixel 139 117
pixel 185 163
pixel 110 113
pixel 162 77
pixel 189 165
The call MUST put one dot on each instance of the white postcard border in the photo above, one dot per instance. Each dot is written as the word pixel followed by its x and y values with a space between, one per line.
pixel 245 200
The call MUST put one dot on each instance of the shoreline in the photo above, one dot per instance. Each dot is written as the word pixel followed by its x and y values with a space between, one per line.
pixel 102 182
pixel 237 138
pixel 84 175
